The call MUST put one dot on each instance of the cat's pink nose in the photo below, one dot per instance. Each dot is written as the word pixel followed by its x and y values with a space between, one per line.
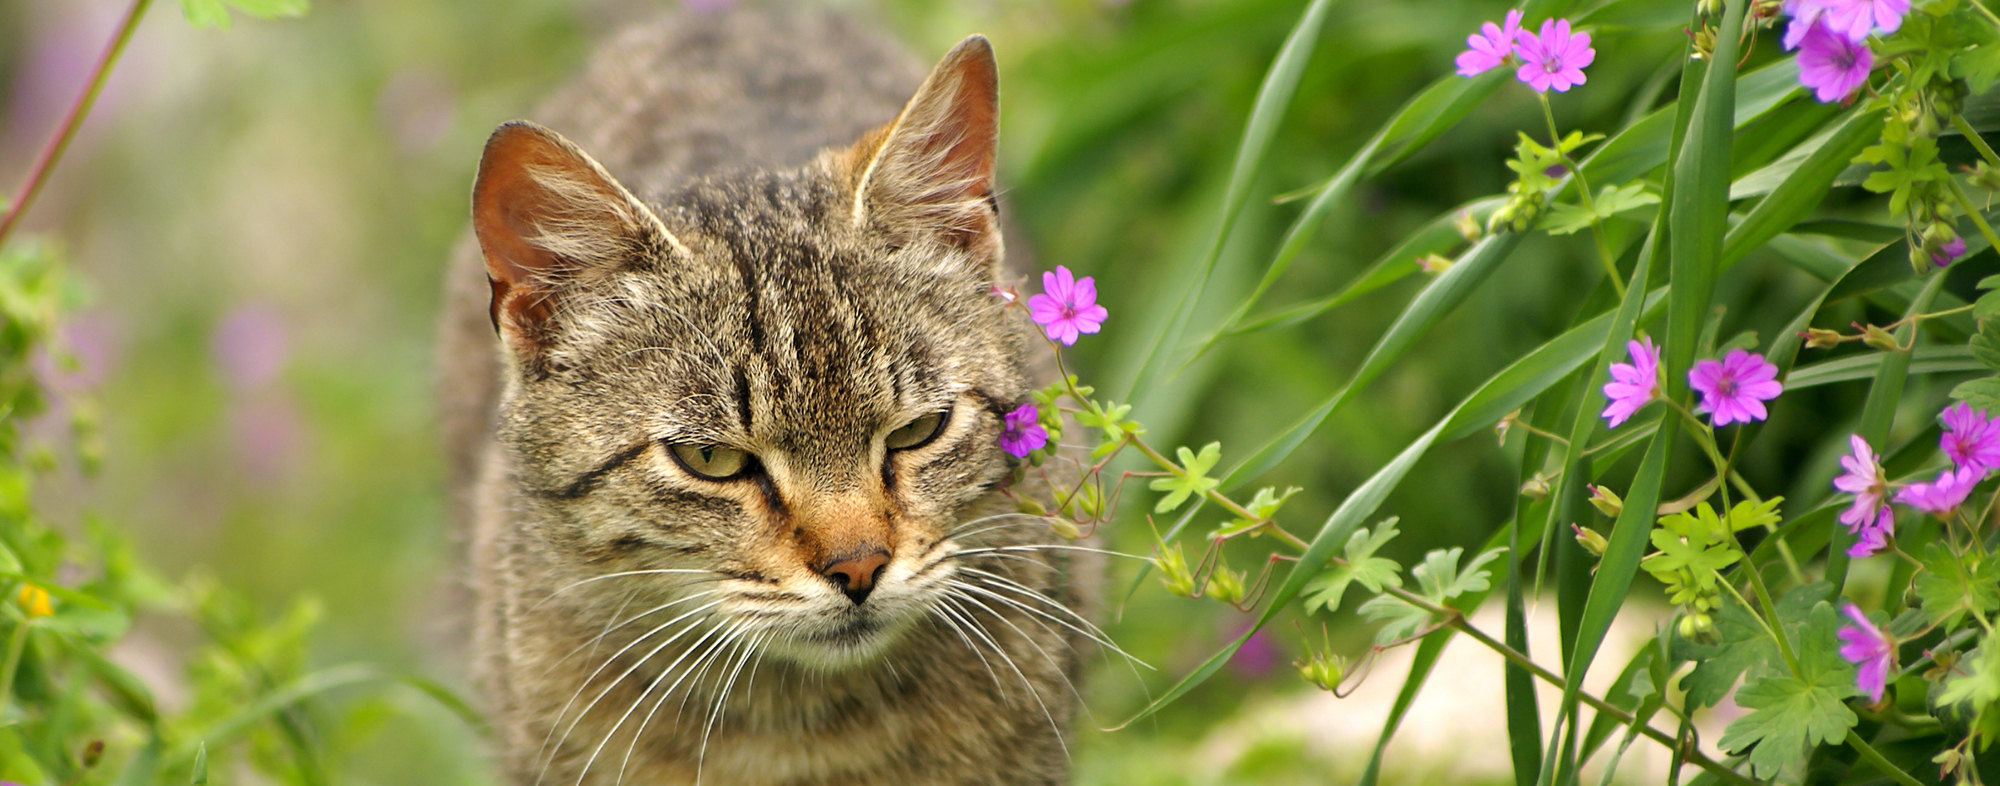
pixel 856 575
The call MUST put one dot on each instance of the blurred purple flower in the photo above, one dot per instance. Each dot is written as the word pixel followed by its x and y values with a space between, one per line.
pixel 1257 656
pixel 1067 306
pixel 1970 438
pixel 1951 250
pixel 1022 432
pixel 1831 65
pixel 1553 59
pixel 1633 384
pixel 269 434
pixel 1488 48
pixel 90 344
pixel 1858 18
pixel 1871 651
pixel 249 344
pixel 1804 14
pixel 1869 518
pixel 1942 496
pixel 1734 389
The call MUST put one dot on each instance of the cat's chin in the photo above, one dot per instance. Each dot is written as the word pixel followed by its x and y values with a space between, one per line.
pixel 854 643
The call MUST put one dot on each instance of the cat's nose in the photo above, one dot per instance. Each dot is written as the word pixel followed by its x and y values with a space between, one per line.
pixel 856 575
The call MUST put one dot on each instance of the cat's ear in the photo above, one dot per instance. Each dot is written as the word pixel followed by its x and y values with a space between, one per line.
pixel 932 169
pixel 548 216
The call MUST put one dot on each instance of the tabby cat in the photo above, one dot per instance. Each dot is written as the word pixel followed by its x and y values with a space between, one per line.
pixel 737 505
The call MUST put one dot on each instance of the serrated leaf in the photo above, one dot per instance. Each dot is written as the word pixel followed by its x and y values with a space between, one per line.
pixel 1742 645
pixel 1326 589
pixel 1986 306
pixel 1949 588
pixel 205 13
pixel 1400 618
pixel 1986 345
pixel 1981 393
pixel 1792 714
pixel 1979 681
pixel 1746 515
pixel 1440 579
pixel 1193 481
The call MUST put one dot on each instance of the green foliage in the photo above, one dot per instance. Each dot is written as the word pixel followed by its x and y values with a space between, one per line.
pixel 1190 478
pixel 1978 687
pixel 215 13
pixel 1360 565
pixel 1792 713
pixel 1952 587
pixel 1565 218
pixel 1439 580
pixel 1263 507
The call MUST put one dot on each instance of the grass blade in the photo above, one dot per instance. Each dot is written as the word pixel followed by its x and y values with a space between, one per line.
pixel 1273 96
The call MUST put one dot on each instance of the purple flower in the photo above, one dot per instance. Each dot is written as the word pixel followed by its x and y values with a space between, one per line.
pixel 1068 306
pixel 1869 518
pixel 1804 14
pixel 1942 496
pixel 1734 389
pixel 1833 66
pixel 1872 652
pixel 1554 59
pixel 1633 384
pixel 1951 250
pixel 1489 47
pixel 1970 438
pixel 1022 432
pixel 1857 18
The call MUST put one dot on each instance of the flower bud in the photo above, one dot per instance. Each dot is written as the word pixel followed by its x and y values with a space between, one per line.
pixel 1821 338
pixel 1030 506
pixel 1174 572
pixel 34 601
pixel 1605 500
pixel 1704 44
pixel 1226 585
pixel 1537 487
pixel 1880 339
pixel 1433 263
pixel 1469 228
pixel 1985 177
pixel 1590 540
pixel 1064 528
pixel 1323 670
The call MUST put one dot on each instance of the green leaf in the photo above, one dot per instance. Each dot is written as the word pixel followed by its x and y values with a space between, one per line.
pixel 205 13
pixel 1950 588
pixel 1980 681
pixel 1565 218
pixel 1878 414
pixel 1983 393
pixel 1792 714
pixel 1986 345
pixel 1193 478
pixel 1281 82
pixel 1746 515
pixel 1325 590
pixel 1441 579
pixel 1400 618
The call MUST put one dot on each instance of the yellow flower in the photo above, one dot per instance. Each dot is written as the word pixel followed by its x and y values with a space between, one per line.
pixel 34 600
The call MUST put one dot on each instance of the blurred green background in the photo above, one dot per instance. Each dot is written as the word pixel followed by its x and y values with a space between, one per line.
pixel 261 215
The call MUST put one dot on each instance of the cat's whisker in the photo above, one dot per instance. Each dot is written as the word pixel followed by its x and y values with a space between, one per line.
pixel 1017 587
pixel 981 632
pixel 615 625
pixel 1046 547
pixel 752 647
pixel 634 707
pixel 937 610
pixel 585 684
pixel 1061 671
pixel 965 525
pixel 1093 633
pixel 620 574
pixel 726 643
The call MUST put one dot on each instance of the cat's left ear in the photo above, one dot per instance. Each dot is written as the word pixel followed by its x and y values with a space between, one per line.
pixel 931 171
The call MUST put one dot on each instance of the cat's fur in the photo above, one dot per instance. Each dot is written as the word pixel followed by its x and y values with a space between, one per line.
pixel 752 266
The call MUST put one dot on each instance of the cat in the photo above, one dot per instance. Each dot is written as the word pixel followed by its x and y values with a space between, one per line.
pixel 738 510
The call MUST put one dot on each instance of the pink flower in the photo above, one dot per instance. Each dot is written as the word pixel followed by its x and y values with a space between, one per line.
pixel 1735 388
pixel 1942 496
pixel 1857 18
pixel 1554 59
pixel 1970 438
pixel 1490 47
pixel 1833 66
pixel 1068 306
pixel 1633 384
pixel 1951 250
pixel 1022 432
pixel 1869 515
pixel 1871 651
pixel 1804 14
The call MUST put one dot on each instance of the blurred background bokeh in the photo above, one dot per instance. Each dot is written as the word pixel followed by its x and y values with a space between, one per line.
pixel 261 215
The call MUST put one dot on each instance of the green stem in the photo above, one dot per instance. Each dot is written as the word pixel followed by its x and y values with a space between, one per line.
pixel 1977 219
pixel 16 644
pixel 1583 189
pixel 59 142
pixel 1875 759
pixel 1972 135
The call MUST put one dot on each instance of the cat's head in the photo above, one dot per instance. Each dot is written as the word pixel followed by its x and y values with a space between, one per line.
pixel 780 388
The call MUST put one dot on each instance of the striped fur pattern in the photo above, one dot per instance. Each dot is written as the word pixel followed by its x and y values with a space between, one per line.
pixel 796 294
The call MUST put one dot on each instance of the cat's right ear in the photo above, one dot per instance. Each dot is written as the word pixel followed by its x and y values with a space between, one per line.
pixel 548 217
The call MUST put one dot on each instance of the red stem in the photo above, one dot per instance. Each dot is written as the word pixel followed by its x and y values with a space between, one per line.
pixel 59 142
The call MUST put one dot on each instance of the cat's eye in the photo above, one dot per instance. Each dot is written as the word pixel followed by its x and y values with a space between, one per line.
pixel 713 462
pixel 917 433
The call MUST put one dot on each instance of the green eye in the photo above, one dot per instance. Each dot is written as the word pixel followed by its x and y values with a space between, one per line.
pixel 713 462
pixel 917 433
